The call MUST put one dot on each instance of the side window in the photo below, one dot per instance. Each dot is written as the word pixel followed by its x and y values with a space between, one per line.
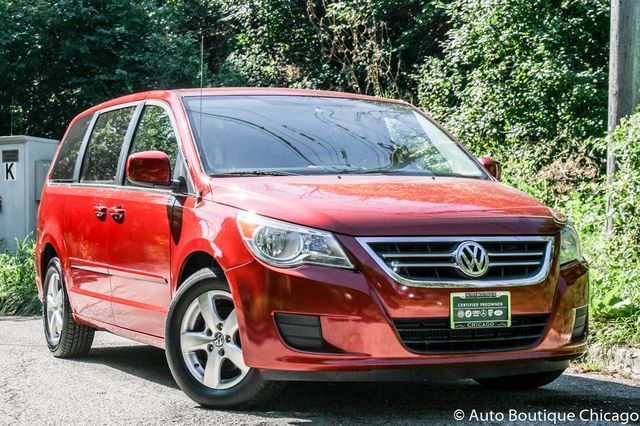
pixel 66 161
pixel 103 151
pixel 155 133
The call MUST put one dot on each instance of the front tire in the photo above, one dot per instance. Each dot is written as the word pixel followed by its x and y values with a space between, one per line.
pixel 65 337
pixel 203 346
pixel 521 382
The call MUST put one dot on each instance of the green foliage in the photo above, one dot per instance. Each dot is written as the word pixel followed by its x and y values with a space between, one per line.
pixel 616 292
pixel 614 259
pixel 60 57
pixel 18 292
pixel 521 72
pixel 366 46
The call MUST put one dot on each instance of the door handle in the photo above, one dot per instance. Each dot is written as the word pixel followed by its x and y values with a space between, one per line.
pixel 117 213
pixel 100 211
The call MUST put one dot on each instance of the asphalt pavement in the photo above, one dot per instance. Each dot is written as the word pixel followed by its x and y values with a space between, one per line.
pixel 122 382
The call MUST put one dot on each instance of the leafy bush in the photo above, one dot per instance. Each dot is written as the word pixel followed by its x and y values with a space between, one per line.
pixel 614 259
pixel 18 292
pixel 521 75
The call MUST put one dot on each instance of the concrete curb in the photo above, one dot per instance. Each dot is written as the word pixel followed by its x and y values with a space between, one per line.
pixel 617 359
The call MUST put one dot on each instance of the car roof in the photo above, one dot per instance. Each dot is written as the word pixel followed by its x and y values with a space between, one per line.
pixel 276 91
pixel 232 91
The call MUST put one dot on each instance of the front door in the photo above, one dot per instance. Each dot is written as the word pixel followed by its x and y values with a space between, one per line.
pixel 139 243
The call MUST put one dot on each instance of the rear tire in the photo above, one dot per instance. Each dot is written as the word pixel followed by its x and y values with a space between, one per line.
pixel 203 349
pixel 521 382
pixel 65 337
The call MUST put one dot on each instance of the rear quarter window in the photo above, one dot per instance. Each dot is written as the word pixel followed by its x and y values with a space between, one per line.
pixel 66 161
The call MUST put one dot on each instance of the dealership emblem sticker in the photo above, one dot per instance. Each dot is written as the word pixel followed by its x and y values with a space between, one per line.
pixel 472 259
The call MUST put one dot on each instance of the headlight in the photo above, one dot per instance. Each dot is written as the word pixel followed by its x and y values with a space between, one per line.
pixel 569 245
pixel 285 244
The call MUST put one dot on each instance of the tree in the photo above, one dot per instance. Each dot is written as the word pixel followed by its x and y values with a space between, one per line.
pixel 60 57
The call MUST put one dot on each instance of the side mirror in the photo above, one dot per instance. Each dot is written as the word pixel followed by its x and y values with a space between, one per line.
pixel 150 169
pixel 493 167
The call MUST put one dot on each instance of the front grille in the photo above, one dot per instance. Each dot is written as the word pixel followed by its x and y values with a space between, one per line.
pixel 432 261
pixel 435 336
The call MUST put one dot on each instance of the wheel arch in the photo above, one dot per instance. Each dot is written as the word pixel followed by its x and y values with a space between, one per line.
pixel 193 262
pixel 46 251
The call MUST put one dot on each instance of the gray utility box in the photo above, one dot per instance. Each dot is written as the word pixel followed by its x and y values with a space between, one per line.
pixel 24 164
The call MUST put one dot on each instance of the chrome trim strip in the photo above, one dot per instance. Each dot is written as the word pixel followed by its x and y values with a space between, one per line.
pixel 453 265
pixel 424 265
pixel 413 255
pixel 532 263
pixel 517 254
pixel 463 283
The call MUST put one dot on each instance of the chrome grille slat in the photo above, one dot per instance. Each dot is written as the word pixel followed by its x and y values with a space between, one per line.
pixel 424 265
pixel 405 255
pixel 534 263
pixel 432 261
pixel 516 254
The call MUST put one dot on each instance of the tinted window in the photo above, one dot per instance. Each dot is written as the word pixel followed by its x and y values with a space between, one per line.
pixel 66 161
pixel 103 151
pixel 155 133
pixel 310 135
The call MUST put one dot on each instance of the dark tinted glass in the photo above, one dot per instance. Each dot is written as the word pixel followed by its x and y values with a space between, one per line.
pixel 103 151
pixel 66 161
pixel 155 133
pixel 310 135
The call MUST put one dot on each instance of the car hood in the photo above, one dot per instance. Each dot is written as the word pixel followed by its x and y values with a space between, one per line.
pixel 365 205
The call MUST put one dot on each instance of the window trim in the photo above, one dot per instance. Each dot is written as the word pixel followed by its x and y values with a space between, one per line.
pixel 85 143
pixel 54 162
pixel 126 145
pixel 83 149
pixel 125 153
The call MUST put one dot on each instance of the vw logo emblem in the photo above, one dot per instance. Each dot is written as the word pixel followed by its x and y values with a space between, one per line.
pixel 472 259
pixel 218 339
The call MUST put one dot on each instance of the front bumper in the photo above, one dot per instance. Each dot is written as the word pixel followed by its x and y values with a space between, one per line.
pixel 356 311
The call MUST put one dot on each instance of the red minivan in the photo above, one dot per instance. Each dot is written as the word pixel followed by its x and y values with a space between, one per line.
pixel 270 235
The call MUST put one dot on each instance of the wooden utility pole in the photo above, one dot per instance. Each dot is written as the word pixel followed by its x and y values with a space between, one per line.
pixel 624 77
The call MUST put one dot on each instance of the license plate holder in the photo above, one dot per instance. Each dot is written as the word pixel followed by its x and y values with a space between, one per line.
pixel 480 309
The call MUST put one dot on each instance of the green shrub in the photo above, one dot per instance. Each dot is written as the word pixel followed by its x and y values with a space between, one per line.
pixel 523 75
pixel 578 188
pixel 18 292
pixel 616 258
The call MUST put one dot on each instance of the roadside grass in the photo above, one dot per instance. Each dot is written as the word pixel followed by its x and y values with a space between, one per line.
pixel 620 331
pixel 18 292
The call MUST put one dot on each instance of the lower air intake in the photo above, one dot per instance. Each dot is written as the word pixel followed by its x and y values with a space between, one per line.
pixel 301 332
pixel 435 336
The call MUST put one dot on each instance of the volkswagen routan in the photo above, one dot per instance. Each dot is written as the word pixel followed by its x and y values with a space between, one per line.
pixel 261 236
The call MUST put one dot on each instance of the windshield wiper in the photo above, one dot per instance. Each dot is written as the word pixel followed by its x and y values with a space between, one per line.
pixel 380 171
pixel 255 173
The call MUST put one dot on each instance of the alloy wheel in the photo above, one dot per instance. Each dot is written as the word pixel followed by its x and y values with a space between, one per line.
pixel 210 341
pixel 55 308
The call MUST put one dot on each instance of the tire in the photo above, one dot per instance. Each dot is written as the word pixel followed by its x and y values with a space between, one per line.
pixel 521 382
pixel 65 338
pixel 214 343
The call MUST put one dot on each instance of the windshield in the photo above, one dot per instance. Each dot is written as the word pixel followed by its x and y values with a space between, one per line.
pixel 280 135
